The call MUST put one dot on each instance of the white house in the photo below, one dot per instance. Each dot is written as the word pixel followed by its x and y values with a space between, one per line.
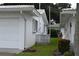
pixel 20 26
pixel 41 35
pixel 67 25
pixel 17 27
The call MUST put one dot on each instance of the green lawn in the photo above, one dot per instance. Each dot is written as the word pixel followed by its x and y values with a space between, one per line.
pixel 42 50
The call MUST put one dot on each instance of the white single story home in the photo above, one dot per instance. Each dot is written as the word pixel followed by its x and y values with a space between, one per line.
pixel 42 35
pixel 68 28
pixel 19 27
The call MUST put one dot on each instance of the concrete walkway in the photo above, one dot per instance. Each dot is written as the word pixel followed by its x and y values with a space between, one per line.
pixel 7 54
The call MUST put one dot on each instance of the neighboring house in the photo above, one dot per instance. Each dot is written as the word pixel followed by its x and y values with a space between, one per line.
pixel 67 25
pixel 42 35
pixel 17 27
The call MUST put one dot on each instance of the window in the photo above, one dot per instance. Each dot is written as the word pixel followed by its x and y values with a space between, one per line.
pixel 35 26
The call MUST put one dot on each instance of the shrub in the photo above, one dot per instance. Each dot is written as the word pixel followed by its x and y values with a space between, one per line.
pixel 63 45
pixel 69 53
pixel 54 33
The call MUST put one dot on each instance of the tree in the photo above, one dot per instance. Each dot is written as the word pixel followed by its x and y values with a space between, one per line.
pixel 58 9
pixel 63 5
pixel 55 9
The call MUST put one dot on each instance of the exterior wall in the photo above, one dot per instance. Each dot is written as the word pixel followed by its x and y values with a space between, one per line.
pixel 67 32
pixel 11 31
pixel 67 18
pixel 41 28
pixel 42 25
pixel 41 34
pixel 62 30
pixel 46 30
pixel 67 29
pixel 30 36
pixel 72 31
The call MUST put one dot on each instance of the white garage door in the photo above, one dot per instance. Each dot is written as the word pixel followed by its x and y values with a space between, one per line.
pixel 9 32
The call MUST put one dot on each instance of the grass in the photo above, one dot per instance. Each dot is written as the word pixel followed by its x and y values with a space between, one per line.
pixel 42 50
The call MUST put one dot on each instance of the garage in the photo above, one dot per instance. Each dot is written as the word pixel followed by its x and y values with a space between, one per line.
pixel 11 32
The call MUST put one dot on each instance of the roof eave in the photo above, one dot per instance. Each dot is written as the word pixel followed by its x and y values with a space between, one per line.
pixel 36 12
pixel 45 19
pixel 17 8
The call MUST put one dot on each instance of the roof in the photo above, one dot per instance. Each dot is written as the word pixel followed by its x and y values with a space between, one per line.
pixel 43 13
pixel 68 10
pixel 19 8
pixel 16 7
pixel 16 3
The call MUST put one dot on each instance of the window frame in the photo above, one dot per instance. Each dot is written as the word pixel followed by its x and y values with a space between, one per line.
pixel 34 25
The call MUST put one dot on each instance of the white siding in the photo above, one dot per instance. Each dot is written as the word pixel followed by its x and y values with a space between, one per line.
pixel 72 31
pixel 41 28
pixel 69 30
pixel 63 33
pixel 45 32
pixel 30 36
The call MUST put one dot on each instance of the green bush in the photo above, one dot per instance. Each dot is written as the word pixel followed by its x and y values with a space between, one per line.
pixel 53 33
pixel 69 53
pixel 63 45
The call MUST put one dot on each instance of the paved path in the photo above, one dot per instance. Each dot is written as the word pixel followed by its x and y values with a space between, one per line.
pixel 7 54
